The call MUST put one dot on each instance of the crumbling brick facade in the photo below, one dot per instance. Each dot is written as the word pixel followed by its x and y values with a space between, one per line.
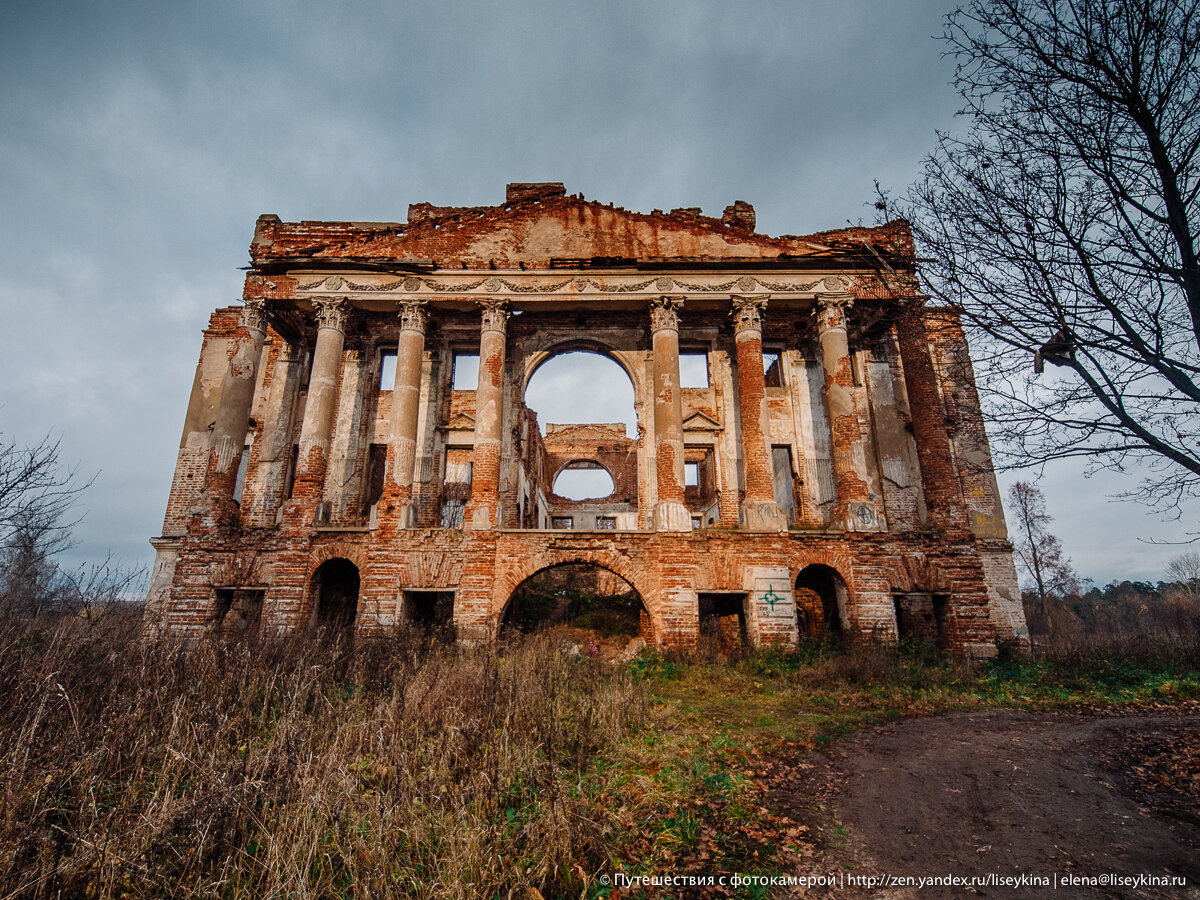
pixel 841 477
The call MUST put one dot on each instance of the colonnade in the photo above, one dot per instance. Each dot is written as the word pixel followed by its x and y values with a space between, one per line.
pixel 855 507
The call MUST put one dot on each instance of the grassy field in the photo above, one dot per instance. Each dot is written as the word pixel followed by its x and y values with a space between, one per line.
pixel 302 769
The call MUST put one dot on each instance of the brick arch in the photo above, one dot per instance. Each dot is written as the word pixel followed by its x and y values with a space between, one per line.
pixel 509 579
pixel 354 553
pixel 836 560
pixel 337 550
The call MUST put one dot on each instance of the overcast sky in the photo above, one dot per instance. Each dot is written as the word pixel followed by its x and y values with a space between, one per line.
pixel 141 141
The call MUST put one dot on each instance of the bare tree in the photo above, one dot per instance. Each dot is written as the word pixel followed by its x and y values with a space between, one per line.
pixel 38 495
pixel 1064 223
pixel 1184 571
pixel 1038 551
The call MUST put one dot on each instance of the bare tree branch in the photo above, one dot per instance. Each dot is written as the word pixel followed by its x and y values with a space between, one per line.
pixel 1065 225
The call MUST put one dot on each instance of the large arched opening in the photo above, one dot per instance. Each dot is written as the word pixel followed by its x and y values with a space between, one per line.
pixel 821 602
pixel 334 589
pixel 579 462
pixel 580 383
pixel 587 605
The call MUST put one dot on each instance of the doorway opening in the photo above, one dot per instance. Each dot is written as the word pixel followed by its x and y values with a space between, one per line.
pixel 335 587
pixel 821 599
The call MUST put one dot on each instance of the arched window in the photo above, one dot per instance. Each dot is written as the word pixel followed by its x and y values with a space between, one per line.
pixel 583 480
pixel 584 387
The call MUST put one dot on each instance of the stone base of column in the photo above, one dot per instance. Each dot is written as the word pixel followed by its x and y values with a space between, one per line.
pixel 860 516
pixel 481 516
pixel 406 514
pixel 671 515
pixel 763 515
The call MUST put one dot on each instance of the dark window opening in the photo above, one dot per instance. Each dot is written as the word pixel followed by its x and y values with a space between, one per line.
pixel 222 603
pixel 376 471
pixel 821 596
pixel 430 610
pixel 240 611
pixel 941 616
pixel 562 523
pixel 290 478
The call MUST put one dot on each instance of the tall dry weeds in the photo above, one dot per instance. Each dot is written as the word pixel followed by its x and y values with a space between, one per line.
pixel 300 769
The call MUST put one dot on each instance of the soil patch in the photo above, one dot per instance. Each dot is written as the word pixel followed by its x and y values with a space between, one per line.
pixel 1008 792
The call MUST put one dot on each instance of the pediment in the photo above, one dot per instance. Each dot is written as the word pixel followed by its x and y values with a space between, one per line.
pixel 461 422
pixel 699 421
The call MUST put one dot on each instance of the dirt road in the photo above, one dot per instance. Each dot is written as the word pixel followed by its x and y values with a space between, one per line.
pixel 1011 793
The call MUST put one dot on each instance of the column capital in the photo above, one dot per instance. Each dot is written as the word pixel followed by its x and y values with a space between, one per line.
pixel 413 315
pixel 664 313
pixel 831 310
pixel 747 313
pixel 495 314
pixel 254 314
pixel 332 313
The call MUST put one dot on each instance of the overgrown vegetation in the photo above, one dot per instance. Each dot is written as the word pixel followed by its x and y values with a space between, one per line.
pixel 413 768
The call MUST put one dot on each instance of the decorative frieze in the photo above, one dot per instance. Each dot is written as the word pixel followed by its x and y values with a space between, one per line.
pixel 533 286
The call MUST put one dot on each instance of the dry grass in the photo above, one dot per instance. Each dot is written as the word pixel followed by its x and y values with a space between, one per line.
pixel 411 768
pixel 288 768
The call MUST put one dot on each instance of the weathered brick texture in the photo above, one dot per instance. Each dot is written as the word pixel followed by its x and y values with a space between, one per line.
pixel 850 487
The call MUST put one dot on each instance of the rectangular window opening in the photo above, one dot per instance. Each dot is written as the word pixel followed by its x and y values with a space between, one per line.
pixel 290 478
pixel 239 484
pixel 773 368
pixel 429 609
pixel 562 523
pixel 606 523
pixel 693 370
pixel 466 372
pixel 456 485
pixel 784 477
pixel 691 474
pixel 387 370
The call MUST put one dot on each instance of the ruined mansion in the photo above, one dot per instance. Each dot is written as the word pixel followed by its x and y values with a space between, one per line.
pixel 806 452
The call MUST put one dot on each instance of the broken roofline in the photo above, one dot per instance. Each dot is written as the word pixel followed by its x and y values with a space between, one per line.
pixel 450 237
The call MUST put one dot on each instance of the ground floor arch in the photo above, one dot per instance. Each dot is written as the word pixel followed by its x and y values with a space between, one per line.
pixel 822 602
pixel 584 601
pixel 334 590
